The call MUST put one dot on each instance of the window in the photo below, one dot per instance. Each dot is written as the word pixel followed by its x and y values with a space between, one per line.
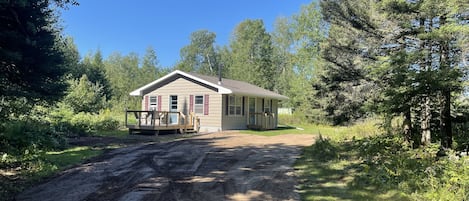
pixel 153 103
pixel 235 105
pixel 266 106
pixel 199 105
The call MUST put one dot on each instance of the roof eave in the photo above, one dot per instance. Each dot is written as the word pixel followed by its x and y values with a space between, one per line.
pixel 277 97
pixel 221 89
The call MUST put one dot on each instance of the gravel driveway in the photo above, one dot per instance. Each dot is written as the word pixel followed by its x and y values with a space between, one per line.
pixel 221 166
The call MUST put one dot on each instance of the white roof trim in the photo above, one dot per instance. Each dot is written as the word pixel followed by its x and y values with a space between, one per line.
pixel 221 90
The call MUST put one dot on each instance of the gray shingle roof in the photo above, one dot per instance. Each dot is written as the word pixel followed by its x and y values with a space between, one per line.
pixel 240 87
pixel 228 86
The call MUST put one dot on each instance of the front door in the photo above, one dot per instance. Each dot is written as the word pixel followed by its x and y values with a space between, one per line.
pixel 173 107
pixel 252 110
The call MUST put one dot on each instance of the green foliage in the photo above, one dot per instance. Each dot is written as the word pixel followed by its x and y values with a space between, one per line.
pixel 92 65
pixel 27 136
pixel 85 96
pixel 31 58
pixel 149 69
pixel 382 167
pixel 82 123
pixel 251 55
pixel 200 55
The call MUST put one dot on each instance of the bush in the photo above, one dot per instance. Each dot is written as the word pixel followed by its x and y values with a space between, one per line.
pixel 106 122
pixel 22 137
pixel 82 124
pixel 383 167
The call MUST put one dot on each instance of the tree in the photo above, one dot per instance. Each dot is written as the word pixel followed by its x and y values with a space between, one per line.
pixel 282 58
pixel 432 39
pixel 351 45
pixel 85 96
pixel 149 69
pixel 32 62
pixel 251 52
pixel 123 75
pixel 409 52
pixel 200 55
pixel 308 33
pixel 92 66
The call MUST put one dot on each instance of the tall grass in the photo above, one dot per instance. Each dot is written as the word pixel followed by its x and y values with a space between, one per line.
pixel 379 167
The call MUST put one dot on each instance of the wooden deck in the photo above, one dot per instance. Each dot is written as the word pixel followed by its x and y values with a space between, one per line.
pixel 263 121
pixel 152 120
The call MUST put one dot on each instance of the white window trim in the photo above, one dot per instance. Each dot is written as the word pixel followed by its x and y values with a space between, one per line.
pixel 155 105
pixel 230 104
pixel 203 104
pixel 266 105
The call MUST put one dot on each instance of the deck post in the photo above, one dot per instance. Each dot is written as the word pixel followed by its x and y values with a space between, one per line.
pixel 126 117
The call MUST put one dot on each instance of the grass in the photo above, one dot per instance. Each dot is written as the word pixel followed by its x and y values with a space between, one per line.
pixel 121 133
pixel 36 168
pixel 329 170
pixel 381 167
pixel 359 130
pixel 71 156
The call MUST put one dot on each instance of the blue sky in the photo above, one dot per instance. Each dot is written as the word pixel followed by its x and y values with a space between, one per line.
pixel 166 25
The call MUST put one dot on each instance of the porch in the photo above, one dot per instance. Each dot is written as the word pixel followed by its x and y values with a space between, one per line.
pixel 262 121
pixel 152 120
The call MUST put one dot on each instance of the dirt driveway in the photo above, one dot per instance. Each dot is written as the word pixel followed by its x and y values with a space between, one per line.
pixel 221 166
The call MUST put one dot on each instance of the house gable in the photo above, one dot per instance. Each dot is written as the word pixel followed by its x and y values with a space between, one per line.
pixel 164 80
pixel 172 79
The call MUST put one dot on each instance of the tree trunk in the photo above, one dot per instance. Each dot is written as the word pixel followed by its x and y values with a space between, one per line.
pixel 445 120
pixel 425 124
pixel 407 125
pixel 445 110
pixel 425 105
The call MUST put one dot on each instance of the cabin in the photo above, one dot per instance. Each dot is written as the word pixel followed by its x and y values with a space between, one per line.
pixel 194 102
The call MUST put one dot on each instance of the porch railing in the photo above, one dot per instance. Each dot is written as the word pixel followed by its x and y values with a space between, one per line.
pixel 262 121
pixel 159 120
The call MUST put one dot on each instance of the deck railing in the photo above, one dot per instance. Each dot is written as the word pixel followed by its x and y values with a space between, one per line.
pixel 160 120
pixel 262 121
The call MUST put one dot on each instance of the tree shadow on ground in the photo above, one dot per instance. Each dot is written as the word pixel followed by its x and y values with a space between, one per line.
pixel 328 170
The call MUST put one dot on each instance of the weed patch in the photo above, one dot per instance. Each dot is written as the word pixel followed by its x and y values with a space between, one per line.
pixel 380 168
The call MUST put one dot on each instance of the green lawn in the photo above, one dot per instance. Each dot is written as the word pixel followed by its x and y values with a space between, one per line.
pixel 71 156
pixel 360 130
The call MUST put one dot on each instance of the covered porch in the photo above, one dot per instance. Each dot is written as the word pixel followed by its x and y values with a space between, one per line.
pixel 262 121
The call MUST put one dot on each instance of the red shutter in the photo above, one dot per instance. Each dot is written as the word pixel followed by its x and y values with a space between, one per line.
pixel 227 99
pixel 191 103
pixel 146 103
pixel 206 104
pixel 159 103
pixel 242 111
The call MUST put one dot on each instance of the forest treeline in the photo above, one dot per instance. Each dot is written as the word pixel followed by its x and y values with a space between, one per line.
pixel 339 62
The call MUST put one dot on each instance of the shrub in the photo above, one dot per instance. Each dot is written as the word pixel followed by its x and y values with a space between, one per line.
pixel 106 122
pixel 22 137
pixel 64 120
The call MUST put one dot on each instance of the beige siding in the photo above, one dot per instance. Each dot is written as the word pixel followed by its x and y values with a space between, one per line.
pixel 234 122
pixel 217 119
pixel 183 89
